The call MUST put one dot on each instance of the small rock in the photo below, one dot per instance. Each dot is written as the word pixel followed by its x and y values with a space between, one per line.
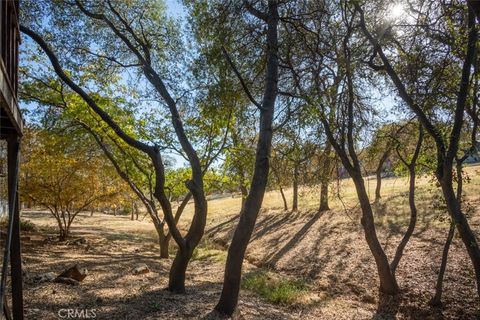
pixel 74 273
pixel 141 270
pixel 99 300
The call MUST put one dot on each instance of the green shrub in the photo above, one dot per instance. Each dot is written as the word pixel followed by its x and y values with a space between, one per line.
pixel 25 225
pixel 206 252
pixel 282 291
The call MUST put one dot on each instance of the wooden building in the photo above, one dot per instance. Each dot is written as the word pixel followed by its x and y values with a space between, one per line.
pixel 11 126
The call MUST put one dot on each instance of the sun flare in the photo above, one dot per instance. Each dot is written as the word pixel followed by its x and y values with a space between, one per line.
pixel 396 11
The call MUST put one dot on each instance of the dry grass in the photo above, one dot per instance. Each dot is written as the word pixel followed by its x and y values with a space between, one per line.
pixel 326 252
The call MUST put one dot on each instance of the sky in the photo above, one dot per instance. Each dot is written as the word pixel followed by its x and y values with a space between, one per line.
pixel 175 9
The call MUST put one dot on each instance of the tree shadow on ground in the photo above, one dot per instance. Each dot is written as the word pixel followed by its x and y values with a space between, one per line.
pixel 294 241
pixel 270 224
pixel 387 307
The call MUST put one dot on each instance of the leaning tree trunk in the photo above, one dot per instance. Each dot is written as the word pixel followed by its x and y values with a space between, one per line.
pixel 284 199
pixel 445 155
pixel 463 227
pixel 248 216
pixel 411 225
pixel 412 166
pixel 437 298
pixel 176 281
pixel 388 282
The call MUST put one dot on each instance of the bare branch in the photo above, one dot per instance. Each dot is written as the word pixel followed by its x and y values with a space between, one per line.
pixel 240 78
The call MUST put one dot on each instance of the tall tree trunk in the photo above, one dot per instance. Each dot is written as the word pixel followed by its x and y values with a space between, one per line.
pixel 176 282
pixel 324 206
pixel 437 298
pixel 464 230
pixel 163 239
pixel 295 188
pixel 284 199
pixel 445 154
pixel 325 178
pixel 248 216
pixel 244 192
pixel 378 174
pixel 412 166
pixel 280 188
pixel 163 242
pixel 388 283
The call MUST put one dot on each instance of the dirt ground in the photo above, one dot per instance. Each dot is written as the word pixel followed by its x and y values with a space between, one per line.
pixel 326 251
pixel 110 288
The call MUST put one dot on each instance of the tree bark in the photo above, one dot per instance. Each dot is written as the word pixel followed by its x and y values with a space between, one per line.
pixel 195 185
pixel 463 227
pixel 411 202
pixel 295 188
pixel 280 188
pixel 437 298
pixel 378 174
pixel 388 283
pixel 244 192
pixel 248 216
pixel 325 178
pixel 176 282
pixel 164 243
pixel 445 155
pixel 284 199
pixel 350 161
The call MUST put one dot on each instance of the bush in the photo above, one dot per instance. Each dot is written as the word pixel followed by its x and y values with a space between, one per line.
pixel 207 252
pixel 25 225
pixel 281 291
